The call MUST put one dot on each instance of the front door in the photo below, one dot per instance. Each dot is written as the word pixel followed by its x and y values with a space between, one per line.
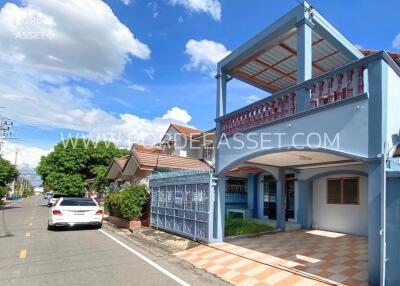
pixel 270 197
pixel 289 193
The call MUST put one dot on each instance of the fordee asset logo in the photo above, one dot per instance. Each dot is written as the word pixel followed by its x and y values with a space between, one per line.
pixel 33 26
pixel 266 140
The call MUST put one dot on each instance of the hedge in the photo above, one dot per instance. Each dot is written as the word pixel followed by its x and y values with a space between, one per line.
pixel 127 204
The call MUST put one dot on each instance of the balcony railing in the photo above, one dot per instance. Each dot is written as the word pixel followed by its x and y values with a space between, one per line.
pixel 342 83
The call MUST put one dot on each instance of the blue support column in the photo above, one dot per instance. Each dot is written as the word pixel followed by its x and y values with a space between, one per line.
pixel 280 201
pixel 255 195
pixel 260 199
pixel 375 180
pixel 250 192
pixel 305 196
pixel 377 120
pixel 221 94
pixel 219 211
pixel 304 59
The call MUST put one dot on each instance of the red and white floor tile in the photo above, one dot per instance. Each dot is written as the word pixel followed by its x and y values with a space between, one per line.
pixel 300 258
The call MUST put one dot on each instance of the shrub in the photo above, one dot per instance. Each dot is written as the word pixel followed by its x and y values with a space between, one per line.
pixel 127 204
pixel 113 204
pixel 134 197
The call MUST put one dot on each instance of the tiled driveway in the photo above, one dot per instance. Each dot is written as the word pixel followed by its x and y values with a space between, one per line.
pixel 289 258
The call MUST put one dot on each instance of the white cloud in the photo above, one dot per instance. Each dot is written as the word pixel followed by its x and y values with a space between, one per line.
pixel 177 114
pixel 204 55
pixel 37 78
pixel 31 102
pixel 251 98
pixel 212 7
pixel 77 38
pixel 27 157
pixel 132 128
pixel 396 42
pixel 137 87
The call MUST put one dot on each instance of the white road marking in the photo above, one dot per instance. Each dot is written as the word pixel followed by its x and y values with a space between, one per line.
pixel 147 260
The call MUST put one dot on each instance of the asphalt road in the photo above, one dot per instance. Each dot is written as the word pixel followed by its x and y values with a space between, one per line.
pixel 32 255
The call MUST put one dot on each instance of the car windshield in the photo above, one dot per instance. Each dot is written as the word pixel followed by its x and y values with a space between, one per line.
pixel 77 202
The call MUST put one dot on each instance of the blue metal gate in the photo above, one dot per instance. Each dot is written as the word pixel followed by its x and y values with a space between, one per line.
pixel 181 203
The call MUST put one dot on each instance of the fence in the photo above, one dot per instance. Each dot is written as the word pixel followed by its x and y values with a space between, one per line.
pixel 181 203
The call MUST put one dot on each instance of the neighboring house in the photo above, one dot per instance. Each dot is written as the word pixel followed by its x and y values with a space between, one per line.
pixel 320 149
pixel 181 148
pixel 184 141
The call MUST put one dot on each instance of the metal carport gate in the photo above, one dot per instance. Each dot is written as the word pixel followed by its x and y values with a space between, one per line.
pixel 182 203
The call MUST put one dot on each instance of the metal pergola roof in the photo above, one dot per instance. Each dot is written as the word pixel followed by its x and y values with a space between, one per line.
pixel 269 60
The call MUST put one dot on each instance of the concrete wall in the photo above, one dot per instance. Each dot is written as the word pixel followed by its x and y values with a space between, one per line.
pixel 393 104
pixel 351 219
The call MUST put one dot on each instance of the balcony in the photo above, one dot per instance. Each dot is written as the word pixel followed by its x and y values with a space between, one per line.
pixel 327 89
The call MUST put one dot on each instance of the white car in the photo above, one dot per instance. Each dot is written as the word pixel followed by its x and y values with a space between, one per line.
pixel 75 211
pixel 48 195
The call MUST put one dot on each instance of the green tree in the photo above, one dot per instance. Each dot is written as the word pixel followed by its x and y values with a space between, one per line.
pixel 65 169
pixel 8 172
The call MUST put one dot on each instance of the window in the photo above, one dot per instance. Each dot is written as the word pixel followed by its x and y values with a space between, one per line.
pixel 208 152
pixel 78 202
pixel 343 191
pixel 236 186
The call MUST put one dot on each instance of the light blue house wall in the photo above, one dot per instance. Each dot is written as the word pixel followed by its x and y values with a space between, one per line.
pixel 368 126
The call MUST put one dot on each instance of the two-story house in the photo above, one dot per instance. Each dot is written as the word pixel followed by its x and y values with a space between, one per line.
pixel 322 147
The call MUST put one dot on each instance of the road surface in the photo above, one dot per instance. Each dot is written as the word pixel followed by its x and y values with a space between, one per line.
pixel 32 255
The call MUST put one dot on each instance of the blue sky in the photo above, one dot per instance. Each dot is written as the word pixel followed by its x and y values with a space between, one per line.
pixel 135 66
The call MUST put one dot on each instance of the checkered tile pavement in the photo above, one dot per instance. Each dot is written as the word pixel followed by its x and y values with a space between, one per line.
pixel 297 258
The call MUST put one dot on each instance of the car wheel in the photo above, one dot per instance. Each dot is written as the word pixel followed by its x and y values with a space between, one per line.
pixel 99 226
pixel 50 227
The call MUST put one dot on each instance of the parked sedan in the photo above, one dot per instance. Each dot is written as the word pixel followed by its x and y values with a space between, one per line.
pixel 48 195
pixel 75 211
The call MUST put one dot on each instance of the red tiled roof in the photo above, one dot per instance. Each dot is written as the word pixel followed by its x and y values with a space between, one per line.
pixel 146 149
pixel 121 161
pixel 152 161
pixel 394 56
pixel 244 170
pixel 187 131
